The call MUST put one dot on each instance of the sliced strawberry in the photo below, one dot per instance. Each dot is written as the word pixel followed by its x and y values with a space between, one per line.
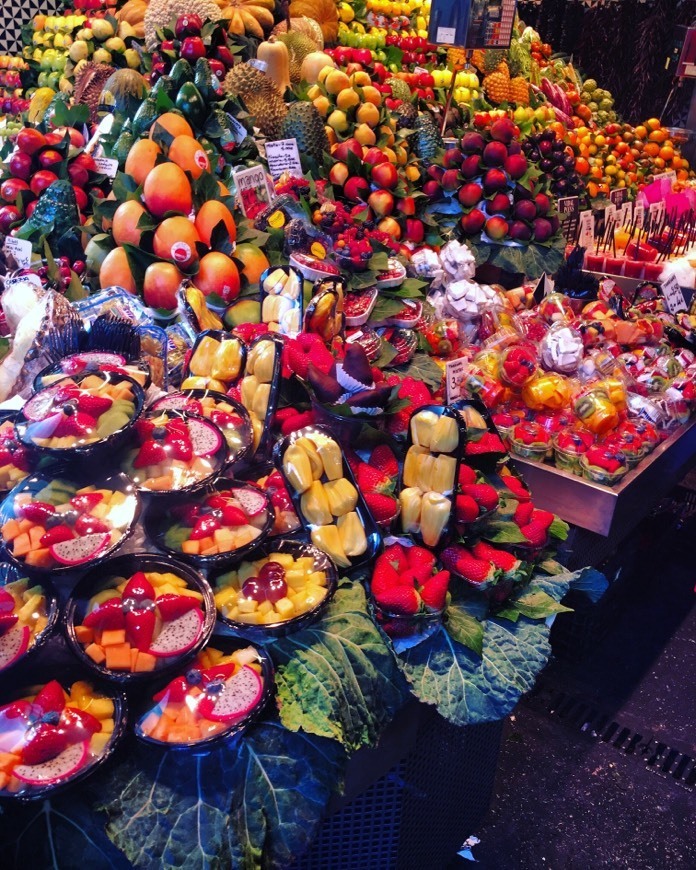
pixel 94 406
pixel 77 424
pixel 401 600
pixel 188 514
pixel 174 692
pixel 180 446
pixel 234 516
pixel 36 511
pixel 144 429
pixel 57 535
pixel 421 562
pixel 205 526
pixel 171 606
pixel 140 625
pixel 434 591
pixel 151 453
pixel 297 421
pixel 383 459
pixel 88 525
pixel 225 420
pixel 50 699
pixel 396 556
pixel 139 588
pixel 219 672
pixel 107 615
pixel 87 501
pixel 47 742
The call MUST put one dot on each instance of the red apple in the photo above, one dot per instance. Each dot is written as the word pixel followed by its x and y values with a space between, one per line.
pixel 503 130
pixel 435 172
pixel 30 140
pixel 543 230
pixel 452 157
pixel 381 202
pixel 451 179
pixel 516 165
pixel 41 180
pixel 9 214
pixel 341 150
pixel 472 223
pixel 77 140
pixel 471 167
pixel 384 175
pixel 496 228
pixel 543 203
pixel 20 165
pixel 356 189
pixel 520 232
pixel 473 143
pixel 525 210
pixel 192 48
pixel 338 174
pixel 406 205
pixel 391 227
pixel 432 190
pixel 85 160
pixel 29 210
pixel 80 198
pixel 373 156
pixel 494 180
pixel 10 188
pixel 78 175
pixel 415 230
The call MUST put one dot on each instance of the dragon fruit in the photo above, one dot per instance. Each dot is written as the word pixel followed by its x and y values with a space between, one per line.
pixel 13 644
pixel 205 438
pixel 39 405
pixel 252 502
pixel 75 364
pixel 178 401
pixel 80 550
pixel 178 636
pixel 66 763
pixel 237 698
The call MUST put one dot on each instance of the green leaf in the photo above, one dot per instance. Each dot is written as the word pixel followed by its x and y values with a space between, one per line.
pixel 463 627
pixel 530 260
pixel 422 368
pixel 503 533
pixel 385 307
pixel 559 529
pixel 386 355
pixel 379 262
pixel 411 288
pixel 537 604
pixel 125 187
pixel 283 785
pixel 338 678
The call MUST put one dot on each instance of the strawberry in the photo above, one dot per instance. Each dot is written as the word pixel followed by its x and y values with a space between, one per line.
pixel 483 494
pixel 487 443
pixel 171 606
pixel 78 725
pixel 461 561
pixel 180 446
pixel 36 511
pixel 87 501
pixel 416 393
pixel 466 474
pixel 382 507
pixel 536 533
pixel 107 615
pixel 467 510
pixel 86 525
pixel 225 420
pixel 500 558
pixel 353 460
pixel 599 457
pixel 296 359
pixel 434 591
pixel 523 513
pixel 140 626
pixel 205 526
pixel 384 576
pixel 139 588
pixel 174 692
pixel 233 516
pixel 516 487
pixel 396 556
pixel 370 479
pixel 401 600
pixel 383 459
pixel 410 578
pixel 545 518
pixel 144 429
pixel 421 562
pixel 46 742
pixel 297 421
pixel 94 406
pixel 77 424
pixel 151 453
pixel 51 699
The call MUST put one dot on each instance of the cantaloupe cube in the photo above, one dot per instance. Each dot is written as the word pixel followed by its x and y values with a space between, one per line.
pixel 21 545
pixel 186 716
pixel 8 761
pixel 118 657
pixel 96 653
pixel 91 382
pixel 205 543
pixel 223 536
pixel 193 548
pixel 98 742
pixel 11 530
pixel 113 636
pixel 160 731
pixel 84 634
pixel 145 662
pixel 185 734
pixel 149 723
pixel 133 657
pixel 35 535
pixel 40 558
pixel 211 551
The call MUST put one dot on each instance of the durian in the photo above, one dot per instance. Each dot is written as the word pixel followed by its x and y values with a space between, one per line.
pixel 304 123
pixel 299 46
pixel 260 96
pixel 308 26
pixel 89 84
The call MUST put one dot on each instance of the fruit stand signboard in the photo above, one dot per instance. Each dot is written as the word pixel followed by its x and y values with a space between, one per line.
pixel 472 23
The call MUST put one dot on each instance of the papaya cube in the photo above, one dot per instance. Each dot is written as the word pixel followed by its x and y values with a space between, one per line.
pixel 11 530
pixel 149 723
pixel 21 545
pixel 40 558
pixel 193 548
pixel 98 742
pixel 145 662
pixel 84 634
pixel 113 636
pixel 118 657
pixel 161 729
pixel 96 653
pixel 133 657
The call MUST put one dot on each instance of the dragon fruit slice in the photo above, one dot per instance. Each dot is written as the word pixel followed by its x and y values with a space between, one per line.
pixel 239 695
pixel 47 427
pixel 205 438
pixel 178 636
pixel 66 763
pixel 80 550
pixel 177 401
pixel 13 644
pixel 253 503
pixel 75 364
pixel 39 405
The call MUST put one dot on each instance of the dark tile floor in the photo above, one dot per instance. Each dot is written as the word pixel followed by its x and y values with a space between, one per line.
pixel 566 800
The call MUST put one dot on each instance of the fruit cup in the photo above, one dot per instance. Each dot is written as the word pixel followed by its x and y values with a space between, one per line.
pixel 282 300
pixel 16 460
pixel 614 265
pixel 549 391
pixel 653 271
pixel 634 269
pixel 284 589
pixel 216 362
pixel 518 365
pixel 529 440
pixel 93 362
pixel 62 523
pixel 28 614
pixel 139 616
pixel 215 697
pixel 603 464
pixel 568 447
pixel 226 521
pixel 270 480
pixel 82 416
pixel 596 411
pixel 594 262
pixel 57 733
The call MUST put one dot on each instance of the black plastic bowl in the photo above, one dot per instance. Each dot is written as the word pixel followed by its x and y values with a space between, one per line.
pixel 11 417
pixel 93 359
pixel 126 566
pixel 10 574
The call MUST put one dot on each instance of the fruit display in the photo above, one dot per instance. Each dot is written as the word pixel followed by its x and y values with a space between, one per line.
pixel 218 693
pixel 216 362
pixel 291 581
pixel 27 614
pixel 52 523
pixel 285 519
pixel 258 389
pixel 53 735
pixel 91 362
pixel 141 623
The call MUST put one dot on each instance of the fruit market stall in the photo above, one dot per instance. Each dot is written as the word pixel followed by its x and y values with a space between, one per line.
pixel 311 352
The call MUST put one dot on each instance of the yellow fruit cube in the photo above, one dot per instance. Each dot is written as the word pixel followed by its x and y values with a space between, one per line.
pixel 284 559
pixel 285 607
pixel 265 607
pixel 247 605
pixel 317 578
pixel 248 618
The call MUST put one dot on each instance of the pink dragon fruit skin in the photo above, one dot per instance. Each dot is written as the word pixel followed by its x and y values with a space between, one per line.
pixel 205 438
pixel 13 644
pixel 67 763
pixel 178 636
pixel 239 695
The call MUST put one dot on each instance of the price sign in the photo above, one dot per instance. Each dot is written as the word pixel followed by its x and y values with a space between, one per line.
pixel 254 189
pixel 239 130
pixel 19 250
pixel 609 215
pixel 657 211
pixel 541 288
pixel 454 375
pixel 619 196
pixel 625 215
pixel 568 207
pixel 283 156
pixel 639 214
pixel 670 176
pixel 586 229
pixel 107 166
pixel 673 295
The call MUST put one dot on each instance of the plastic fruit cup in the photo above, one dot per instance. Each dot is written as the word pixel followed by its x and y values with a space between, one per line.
pixel 410 630
pixel 35 610
pixel 594 262
pixel 535 452
pixel 634 269
pixel 601 475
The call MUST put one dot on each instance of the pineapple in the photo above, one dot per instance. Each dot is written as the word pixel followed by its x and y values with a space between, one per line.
pixel 519 91
pixel 497 87
pixel 492 59
pixel 456 59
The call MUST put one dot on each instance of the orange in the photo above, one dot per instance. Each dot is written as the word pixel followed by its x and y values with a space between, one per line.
pixel 116 271
pixel 640 132
pixel 125 223
pixel 658 136
pixel 167 188
pixel 175 125
pixel 190 155
pixel 141 159
pixel 254 261
pixel 653 124
pixel 210 214
pixel 217 275
pixel 667 152
pixel 582 167
pixel 160 285
pixel 175 239
pixel 652 149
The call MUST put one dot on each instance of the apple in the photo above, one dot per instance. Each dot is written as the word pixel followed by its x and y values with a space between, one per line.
pixel 218 68
pixel 86 161
pixel 373 156
pixel 503 130
pixel 9 214
pixel 362 55
pixel 77 140
pixel 341 150
pixel 381 201
pixel 472 223
pixel 525 210
pixel 406 205
pixel 192 48
pixel 452 157
pixel 41 180
pixel 384 175
pixel 356 189
pixel 20 165
pixel 494 180
pixel 415 230
pixel 451 179
pixel 29 210
pixel 496 228
pixel 53 139
pixel 30 141
pixel 188 25
pixel 470 194
pixel 432 190
pixel 10 188
pixel 499 204
pixel 435 172
pixel 78 175
pixel 49 158
pixel 390 226
pixel 80 198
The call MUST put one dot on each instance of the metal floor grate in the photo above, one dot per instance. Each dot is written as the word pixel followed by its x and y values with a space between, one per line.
pixel 657 756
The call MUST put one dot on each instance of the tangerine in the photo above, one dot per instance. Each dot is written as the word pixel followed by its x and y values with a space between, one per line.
pixel 653 124
pixel 210 214
pixel 175 125
pixel 190 155
pixel 116 271
pixel 141 159
pixel 175 239
pixel 582 166
pixel 167 188
pixel 125 222
pixel 217 275
pixel 667 152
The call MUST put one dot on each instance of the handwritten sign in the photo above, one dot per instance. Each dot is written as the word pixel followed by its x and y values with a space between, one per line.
pixel 619 196
pixel 568 207
pixel 107 166
pixel 239 130
pixel 19 250
pixel 625 215
pixel 586 229
pixel 283 156
pixel 673 295
pixel 657 211
pixel 639 214
pixel 253 189
pixel 29 278
pixel 609 215
pixel 670 176
pixel 454 376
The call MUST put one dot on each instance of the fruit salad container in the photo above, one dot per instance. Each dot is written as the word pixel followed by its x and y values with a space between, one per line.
pixel 172 451
pixel 139 616
pixel 260 387
pixel 271 481
pixel 358 306
pixel 53 735
pixel 630 444
pixel 93 362
pixel 216 363
pixel 214 698
pixel 393 276
pixel 326 498
pixel 17 461
pixel 484 448
pixel 55 522
pixel 488 569
pixel 28 615
pixel 82 416
pixel 281 299
pixel 436 438
pixel 313 268
pixel 228 414
pixel 568 446
pixel 530 440
pixel 286 587
pixel 604 464
pixel 225 522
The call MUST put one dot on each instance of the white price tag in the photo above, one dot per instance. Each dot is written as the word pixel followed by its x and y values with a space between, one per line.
pixel 20 250
pixel 107 166
pixel 446 35
pixel 283 156
pixel 673 295
pixel 454 374
pixel 626 214
pixel 657 211
pixel 639 214
pixel 609 215
pixel 670 176
pixel 586 229
pixel 29 278
pixel 240 131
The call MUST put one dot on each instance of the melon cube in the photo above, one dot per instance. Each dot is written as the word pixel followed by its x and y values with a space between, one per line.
pixel 248 618
pixel 191 547
pixel 224 538
pixel 317 578
pixel 113 637
pixel 11 530
pixel 21 545
pixel 35 535
pixel 118 657
pixel 246 570
pixel 26 612
pixel 285 607
pixel 247 605
pixel 265 607
pixel 96 653
pixel 284 559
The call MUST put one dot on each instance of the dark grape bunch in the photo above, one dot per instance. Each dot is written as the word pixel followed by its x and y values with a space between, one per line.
pixel 557 161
